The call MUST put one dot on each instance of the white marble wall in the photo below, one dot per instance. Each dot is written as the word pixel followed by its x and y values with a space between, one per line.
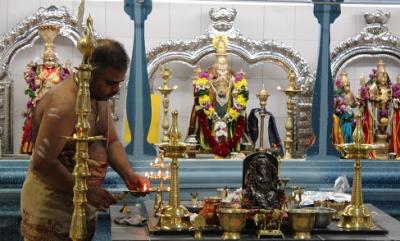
pixel 293 25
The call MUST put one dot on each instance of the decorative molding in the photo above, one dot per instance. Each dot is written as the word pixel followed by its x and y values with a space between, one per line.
pixel 375 40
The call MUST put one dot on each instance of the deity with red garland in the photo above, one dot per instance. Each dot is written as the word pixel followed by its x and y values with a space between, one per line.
pixel 218 119
pixel 41 76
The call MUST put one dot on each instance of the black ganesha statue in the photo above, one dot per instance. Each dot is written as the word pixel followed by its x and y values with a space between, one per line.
pixel 260 181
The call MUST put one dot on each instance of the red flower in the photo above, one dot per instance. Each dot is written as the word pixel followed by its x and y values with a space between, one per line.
pixel 224 148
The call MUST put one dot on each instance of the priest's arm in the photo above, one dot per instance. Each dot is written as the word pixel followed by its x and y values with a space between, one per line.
pixel 120 163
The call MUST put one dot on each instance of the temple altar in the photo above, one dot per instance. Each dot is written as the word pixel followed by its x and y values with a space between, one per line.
pixel 380 184
pixel 128 233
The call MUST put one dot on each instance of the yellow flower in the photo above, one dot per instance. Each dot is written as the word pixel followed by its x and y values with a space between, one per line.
pixel 240 84
pixel 241 100
pixel 233 113
pixel 209 112
pixel 204 99
pixel 201 82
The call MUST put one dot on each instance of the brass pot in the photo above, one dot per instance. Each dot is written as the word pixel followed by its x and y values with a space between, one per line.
pixel 301 221
pixel 210 210
pixel 232 221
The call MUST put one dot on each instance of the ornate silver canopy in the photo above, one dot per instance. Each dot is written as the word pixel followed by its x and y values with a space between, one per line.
pixel 19 38
pixel 251 51
pixel 375 40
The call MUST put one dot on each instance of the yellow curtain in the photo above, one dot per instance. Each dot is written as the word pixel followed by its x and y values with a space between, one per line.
pixel 153 135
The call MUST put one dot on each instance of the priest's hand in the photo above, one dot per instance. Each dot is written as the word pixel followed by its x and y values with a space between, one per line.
pixel 100 198
pixel 136 182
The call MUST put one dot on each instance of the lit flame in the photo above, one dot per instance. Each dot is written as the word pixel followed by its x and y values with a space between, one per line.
pixel 145 187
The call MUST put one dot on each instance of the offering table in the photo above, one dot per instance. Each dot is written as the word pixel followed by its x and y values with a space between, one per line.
pixel 128 233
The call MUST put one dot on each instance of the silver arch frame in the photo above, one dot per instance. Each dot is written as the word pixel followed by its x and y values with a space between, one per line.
pixel 17 39
pixel 252 51
pixel 374 41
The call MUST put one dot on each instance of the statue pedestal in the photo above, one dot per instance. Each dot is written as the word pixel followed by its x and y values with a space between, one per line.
pixel 382 153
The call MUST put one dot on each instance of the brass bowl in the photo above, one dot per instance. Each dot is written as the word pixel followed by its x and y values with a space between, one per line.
pixel 301 221
pixel 338 206
pixel 323 217
pixel 232 221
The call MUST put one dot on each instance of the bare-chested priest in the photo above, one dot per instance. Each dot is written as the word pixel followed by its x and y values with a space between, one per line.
pixel 46 198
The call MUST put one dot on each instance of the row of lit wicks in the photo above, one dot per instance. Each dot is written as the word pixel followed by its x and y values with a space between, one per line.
pixel 160 175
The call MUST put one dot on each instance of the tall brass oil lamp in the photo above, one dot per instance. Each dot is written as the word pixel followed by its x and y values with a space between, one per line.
pixel 290 92
pixel 262 97
pixel 165 90
pixel 86 44
pixel 174 216
pixel 356 216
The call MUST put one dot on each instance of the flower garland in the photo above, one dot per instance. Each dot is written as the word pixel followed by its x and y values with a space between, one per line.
pixel 207 112
pixel 35 76
pixel 32 76
pixel 240 92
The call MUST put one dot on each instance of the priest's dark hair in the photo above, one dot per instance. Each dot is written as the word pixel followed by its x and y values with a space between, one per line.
pixel 109 53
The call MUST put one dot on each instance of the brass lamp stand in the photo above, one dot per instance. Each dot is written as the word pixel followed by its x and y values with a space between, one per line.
pixel 262 97
pixel 174 216
pixel 290 92
pixel 356 216
pixel 86 44
pixel 165 90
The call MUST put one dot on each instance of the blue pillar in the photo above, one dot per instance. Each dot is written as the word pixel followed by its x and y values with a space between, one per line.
pixel 138 103
pixel 322 105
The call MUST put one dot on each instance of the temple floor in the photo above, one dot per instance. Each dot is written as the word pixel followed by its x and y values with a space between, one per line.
pixel 381 184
